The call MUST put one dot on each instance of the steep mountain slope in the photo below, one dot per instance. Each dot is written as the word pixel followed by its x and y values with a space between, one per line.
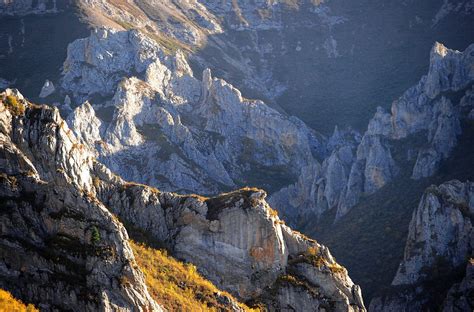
pixel 426 118
pixel 198 136
pixel 326 62
pixel 154 120
pixel 178 286
pixel 60 246
pixel 438 249
pixel 336 174
pixel 58 229
pixel 374 232
pixel 208 138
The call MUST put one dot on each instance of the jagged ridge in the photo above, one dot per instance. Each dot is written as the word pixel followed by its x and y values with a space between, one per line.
pixel 241 245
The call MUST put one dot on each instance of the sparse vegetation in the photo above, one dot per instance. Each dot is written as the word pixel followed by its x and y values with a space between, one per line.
pixel 14 106
pixel 314 257
pixel 273 212
pixel 298 282
pixel 95 236
pixel 9 304
pixel 217 204
pixel 124 25
pixel 198 197
pixel 178 286
pixel 336 268
pixel 128 185
pixel 96 182
pixel 170 45
pixel 11 180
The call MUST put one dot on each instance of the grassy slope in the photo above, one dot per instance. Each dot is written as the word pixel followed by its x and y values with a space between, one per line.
pixel 175 285
pixel 9 304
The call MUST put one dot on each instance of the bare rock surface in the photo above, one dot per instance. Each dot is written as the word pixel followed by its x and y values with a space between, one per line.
pixel 438 253
pixel 61 248
pixel 193 135
pixel 428 112
pixel 61 197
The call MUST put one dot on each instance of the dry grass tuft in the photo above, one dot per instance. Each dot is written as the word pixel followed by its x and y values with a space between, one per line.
pixel 9 304
pixel 14 106
pixel 176 285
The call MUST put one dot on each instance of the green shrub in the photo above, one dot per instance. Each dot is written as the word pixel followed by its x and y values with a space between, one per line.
pixel 95 237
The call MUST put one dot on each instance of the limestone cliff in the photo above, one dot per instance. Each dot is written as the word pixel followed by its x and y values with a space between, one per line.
pixel 438 249
pixel 209 138
pixel 68 208
pixel 192 135
pixel 60 247
pixel 429 113
pixel 164 37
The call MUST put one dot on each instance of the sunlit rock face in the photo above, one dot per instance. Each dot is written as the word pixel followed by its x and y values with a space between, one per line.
pixel 203 136
pixel 138 106
pixel 193 135
pixel 439 244
pixel 50 255
pixel 251 45
pixel 59 195
pixel 238 242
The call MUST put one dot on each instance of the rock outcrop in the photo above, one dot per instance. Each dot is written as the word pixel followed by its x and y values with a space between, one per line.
pixel 320 187
pixel 429 113
pixel 61 248
pixel 47 89
pixel 62 199
pixel 239 243
pixel 208 138
pixel 439 244
pixel 441 227
pixel 95 67
pixel 199 136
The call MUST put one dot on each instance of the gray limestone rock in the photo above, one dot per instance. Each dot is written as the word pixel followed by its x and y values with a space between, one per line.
pixel 61 248
pixel 440 227
pixel 47 89
pixel 59 196
pixel 439 245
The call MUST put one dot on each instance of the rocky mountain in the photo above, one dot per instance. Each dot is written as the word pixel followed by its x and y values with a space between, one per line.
pixel 158 92
pixel 428 113
pixel 313 175
pixel 438 254
pixel 60 247
pixel 191 135
pixel 196 141
pixel 60 226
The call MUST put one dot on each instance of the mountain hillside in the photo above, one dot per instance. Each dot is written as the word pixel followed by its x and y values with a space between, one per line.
pixel 61 226
pixel 438 254
pixel 339 115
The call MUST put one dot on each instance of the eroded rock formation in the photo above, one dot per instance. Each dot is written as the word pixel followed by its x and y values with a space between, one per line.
pixel 61 248
pixel 65 201
pixel 438 253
